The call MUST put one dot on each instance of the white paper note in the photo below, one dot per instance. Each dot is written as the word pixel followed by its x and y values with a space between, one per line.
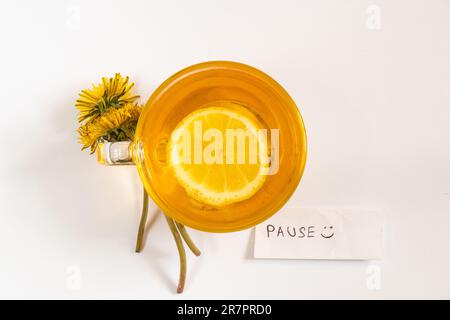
pixel 306 233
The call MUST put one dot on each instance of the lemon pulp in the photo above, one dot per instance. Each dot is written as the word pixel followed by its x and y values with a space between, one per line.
pixel 235 173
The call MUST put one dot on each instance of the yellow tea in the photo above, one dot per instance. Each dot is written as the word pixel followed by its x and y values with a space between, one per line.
pixel 221 180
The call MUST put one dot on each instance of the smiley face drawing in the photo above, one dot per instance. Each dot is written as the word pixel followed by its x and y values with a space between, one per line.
pixel 328 232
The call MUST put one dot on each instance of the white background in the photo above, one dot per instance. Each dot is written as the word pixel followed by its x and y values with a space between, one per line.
pixel 376 103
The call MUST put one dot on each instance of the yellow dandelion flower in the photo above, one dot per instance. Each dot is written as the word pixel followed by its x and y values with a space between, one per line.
pixel 110 93
pixel 116 124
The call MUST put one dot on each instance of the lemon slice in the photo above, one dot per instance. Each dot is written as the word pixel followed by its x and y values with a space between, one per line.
pixel 219 154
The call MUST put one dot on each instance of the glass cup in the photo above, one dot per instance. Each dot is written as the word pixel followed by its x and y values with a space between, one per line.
pixel 191 89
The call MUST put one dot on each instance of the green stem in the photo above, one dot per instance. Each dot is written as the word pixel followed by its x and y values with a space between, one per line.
pixel 188 239
pixel 141 231
pixel 181 252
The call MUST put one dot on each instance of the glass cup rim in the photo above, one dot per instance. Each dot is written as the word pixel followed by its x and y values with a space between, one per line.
pixel 217 65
